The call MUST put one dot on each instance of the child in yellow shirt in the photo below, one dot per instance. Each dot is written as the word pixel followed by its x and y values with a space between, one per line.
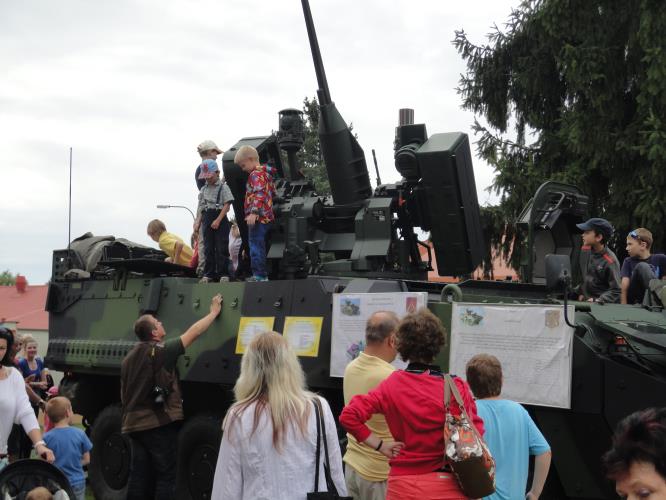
pixel 177 251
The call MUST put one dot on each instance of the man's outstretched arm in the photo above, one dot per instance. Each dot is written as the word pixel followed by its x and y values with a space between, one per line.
pixel 202 325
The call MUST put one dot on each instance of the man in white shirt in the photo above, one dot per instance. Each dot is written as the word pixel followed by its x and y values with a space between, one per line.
pixel 367 470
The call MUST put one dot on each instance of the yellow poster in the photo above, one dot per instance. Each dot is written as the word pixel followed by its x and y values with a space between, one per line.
pixel 249 327
pixel 302 333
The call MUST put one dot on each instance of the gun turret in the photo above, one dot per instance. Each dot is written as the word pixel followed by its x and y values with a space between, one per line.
pixel 343 156
pixel 360 232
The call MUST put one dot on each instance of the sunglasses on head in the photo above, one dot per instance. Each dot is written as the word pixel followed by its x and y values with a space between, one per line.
pixel 633 234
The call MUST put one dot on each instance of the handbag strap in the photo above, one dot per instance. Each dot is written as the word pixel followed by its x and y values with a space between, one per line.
pixel 316 484
pixel 327 465
pixel 450 386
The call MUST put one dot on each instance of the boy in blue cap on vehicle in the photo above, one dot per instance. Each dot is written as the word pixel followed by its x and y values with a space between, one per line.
pixel 599 266
pixel 214 203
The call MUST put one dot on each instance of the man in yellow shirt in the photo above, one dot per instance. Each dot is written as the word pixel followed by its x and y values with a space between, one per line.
pixel 177 251
pixel 367 470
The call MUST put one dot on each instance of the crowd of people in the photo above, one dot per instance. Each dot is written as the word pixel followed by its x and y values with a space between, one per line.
pixel 216 248
pixel 279 440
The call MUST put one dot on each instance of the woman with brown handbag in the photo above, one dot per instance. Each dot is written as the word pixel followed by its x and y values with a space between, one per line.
pixel 412 400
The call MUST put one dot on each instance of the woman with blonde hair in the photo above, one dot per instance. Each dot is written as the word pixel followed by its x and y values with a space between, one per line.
pixel 269 440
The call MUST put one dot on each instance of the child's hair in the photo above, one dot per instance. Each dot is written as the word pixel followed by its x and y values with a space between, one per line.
pixel 39 493
pixel 245 152
pixel 642 235
pixel 156 227
pixel 484 376
pixel 57 408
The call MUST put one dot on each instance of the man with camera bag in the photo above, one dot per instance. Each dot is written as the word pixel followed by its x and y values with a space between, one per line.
pixel 152 406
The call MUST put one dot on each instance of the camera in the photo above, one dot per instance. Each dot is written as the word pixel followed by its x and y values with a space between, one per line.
pixel 160 395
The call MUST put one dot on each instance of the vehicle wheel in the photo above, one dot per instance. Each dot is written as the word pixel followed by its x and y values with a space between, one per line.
pixel 108 471
pixel 198 447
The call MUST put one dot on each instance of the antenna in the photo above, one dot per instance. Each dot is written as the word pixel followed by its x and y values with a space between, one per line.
pixel 374 157
pixel 69 218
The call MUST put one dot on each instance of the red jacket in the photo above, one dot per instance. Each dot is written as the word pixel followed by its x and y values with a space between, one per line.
pixel 413 404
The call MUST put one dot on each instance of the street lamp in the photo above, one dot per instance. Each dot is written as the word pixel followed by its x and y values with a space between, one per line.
pixel 178 206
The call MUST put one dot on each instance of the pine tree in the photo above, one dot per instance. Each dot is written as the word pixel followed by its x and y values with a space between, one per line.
pixel 574 91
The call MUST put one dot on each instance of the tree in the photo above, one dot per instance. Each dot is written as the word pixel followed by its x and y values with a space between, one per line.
pixel 7 278
pixel 573 91
pixel 313 164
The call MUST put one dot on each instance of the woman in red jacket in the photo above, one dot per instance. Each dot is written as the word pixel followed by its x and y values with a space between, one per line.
pixel 412 400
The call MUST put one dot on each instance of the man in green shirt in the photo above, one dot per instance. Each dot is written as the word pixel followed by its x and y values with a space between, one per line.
pixel 152 406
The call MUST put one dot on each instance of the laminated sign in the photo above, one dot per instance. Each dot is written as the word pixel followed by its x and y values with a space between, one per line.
pixel 533 343
pixel 350 313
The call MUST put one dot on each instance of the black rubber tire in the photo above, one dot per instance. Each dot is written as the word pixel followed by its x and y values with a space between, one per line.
pixel 198 447
pixel 110 457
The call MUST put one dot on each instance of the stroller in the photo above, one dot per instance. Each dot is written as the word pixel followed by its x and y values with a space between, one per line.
pixel 18 478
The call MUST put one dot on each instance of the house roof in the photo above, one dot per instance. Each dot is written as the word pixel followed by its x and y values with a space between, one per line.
pixel 26 309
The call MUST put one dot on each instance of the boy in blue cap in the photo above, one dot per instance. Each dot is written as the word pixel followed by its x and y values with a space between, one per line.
pixel 599 265
pixel 214 202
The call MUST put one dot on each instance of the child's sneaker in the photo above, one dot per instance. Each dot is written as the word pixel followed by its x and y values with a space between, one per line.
pixel 224 279
pixel 205 279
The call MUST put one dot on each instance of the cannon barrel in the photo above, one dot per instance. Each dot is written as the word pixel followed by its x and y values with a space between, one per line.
pixel 343 156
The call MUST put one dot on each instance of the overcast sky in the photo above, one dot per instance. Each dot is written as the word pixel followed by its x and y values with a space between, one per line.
pixel 134 86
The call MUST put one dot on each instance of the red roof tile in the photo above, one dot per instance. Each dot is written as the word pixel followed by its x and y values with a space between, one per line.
pixel 26 309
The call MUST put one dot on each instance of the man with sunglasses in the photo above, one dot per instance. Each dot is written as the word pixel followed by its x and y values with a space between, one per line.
pixel 640 267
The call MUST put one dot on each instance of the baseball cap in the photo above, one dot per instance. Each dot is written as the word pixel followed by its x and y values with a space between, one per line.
pixel 597 224
pixel 207 168
pixel 207 146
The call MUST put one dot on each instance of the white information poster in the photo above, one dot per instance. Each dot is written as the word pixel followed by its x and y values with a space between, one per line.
pixel 533 343
pixel 350 313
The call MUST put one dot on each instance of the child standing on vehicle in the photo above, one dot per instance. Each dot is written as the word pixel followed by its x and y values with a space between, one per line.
pixel 600 268
pixel 214 203
pixel 172 245
pixel 70 445
pixel 259 193
pixel 640 267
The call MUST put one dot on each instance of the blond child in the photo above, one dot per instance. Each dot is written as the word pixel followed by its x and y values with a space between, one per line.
pixel 177 251
pixel 258 208
pixel 640 267
pixel 70 445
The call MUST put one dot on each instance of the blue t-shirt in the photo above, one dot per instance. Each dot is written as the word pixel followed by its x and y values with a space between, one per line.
pixel 512 437
pixel 68 444
pixel 26 371
pixel 656 261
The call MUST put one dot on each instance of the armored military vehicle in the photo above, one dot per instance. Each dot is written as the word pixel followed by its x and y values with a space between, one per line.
pixel 358 240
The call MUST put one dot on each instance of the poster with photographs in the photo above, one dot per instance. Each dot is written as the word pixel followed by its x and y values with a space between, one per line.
pixel 533 343
pixel 350 313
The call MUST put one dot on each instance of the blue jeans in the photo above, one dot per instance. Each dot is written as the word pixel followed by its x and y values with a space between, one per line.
pixel 216 246
pixel 79 491
pixel 153 465
pixel 257 235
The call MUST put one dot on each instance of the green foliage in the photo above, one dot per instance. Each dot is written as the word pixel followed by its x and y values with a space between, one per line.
pixel 7 278
pixel 573 91
pixel 313 164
